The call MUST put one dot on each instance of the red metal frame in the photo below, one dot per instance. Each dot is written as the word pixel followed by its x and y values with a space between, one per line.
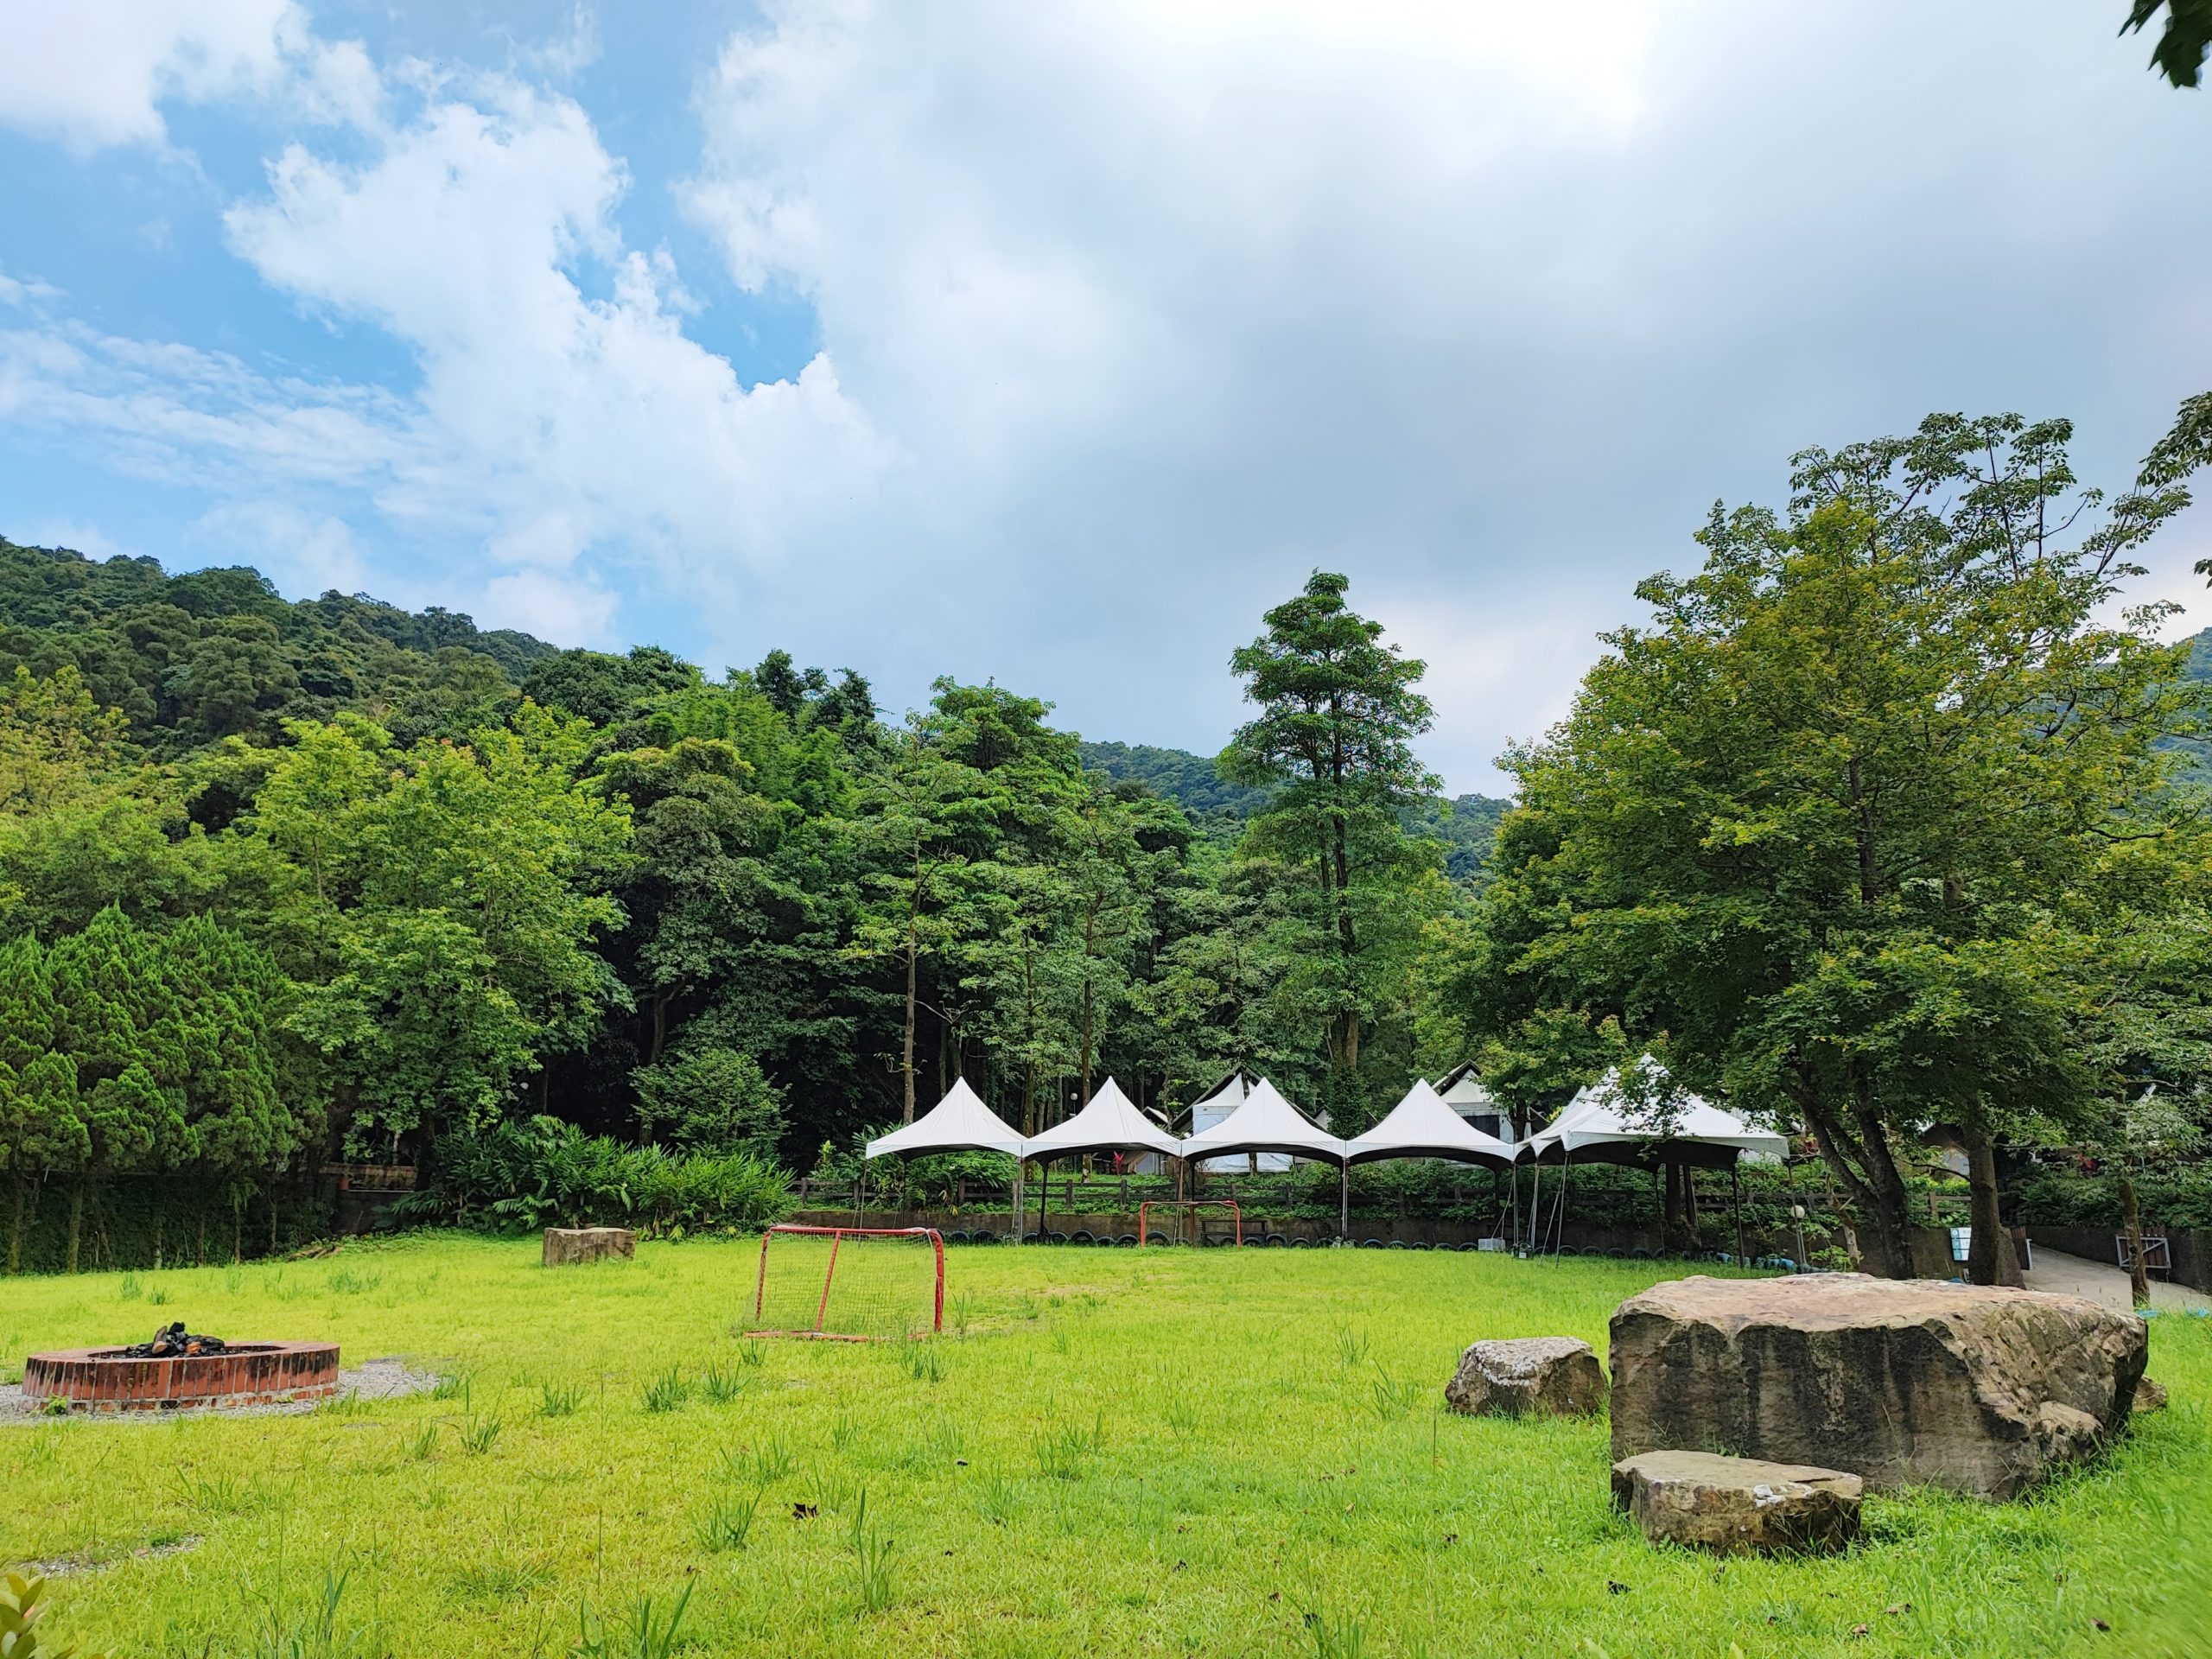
pixel 1230 1205
pixel 837 1236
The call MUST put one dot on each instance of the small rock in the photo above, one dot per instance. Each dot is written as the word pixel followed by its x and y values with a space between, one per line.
pixel 2149 1395
pixel 1737 1505
pixel 1543 1376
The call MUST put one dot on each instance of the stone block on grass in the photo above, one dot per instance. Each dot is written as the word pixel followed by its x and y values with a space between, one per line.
pixel 1737 1506
pixel 1974 1389
pixel 567 1246
pixel 1535 1376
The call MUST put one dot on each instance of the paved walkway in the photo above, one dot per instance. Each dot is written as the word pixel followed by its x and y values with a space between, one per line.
pixel 2101 1282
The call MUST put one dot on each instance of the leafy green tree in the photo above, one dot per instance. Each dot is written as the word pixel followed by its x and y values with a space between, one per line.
pixel 713 1100
pixel 2182 43
pixel 1339 709
pixel 39 1130
pixel 454 897
pixel 1766 830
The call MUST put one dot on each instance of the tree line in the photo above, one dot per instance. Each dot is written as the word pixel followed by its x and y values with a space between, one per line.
pixel 1887 818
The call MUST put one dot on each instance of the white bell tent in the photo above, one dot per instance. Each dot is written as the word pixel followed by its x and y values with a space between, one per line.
pixel 1111 1122
pixel 959 1122
pixel 1422 1126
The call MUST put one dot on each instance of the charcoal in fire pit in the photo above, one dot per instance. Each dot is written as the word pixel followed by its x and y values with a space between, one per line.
pixel 174 1342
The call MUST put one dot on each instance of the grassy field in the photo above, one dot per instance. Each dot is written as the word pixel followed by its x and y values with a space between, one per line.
pixel 1110 1452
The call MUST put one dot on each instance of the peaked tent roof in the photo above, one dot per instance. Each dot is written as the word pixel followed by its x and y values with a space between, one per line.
pixel 959 1122
pixel 1602 1124
pixel 1422 1126
pixel 1265 1122
pixel 1109 1124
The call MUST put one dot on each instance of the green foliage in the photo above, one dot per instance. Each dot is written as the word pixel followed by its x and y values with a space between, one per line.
pixel 1764 841
pixel 21 1597
pixel 2183 42
pixel 713 1100
pixel 1338 712
pixel 544 1172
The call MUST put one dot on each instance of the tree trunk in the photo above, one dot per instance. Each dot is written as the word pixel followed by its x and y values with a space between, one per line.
pixel 1868 1193
pixel 20 1223
pixel 1892 1222
pixel 2130 1223
pixel 1988 1263
pixel 906 1054
pixel 76 1217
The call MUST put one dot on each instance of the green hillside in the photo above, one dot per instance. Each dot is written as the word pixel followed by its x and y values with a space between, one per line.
pixel 208 654
pixel 1467 825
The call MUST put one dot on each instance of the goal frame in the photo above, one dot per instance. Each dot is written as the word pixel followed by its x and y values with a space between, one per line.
pixel 1236 1214
pixel 837 1236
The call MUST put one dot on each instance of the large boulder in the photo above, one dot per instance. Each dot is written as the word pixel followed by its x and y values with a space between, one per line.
pixel 1980 1390
pixel 567 1246
pixel 1736 1506
pixel 1542 1377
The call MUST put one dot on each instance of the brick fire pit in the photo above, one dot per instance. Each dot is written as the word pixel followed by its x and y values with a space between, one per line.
pixel 244 1374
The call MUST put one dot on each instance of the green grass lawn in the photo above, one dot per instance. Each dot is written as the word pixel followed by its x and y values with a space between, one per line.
pixel 1110 1452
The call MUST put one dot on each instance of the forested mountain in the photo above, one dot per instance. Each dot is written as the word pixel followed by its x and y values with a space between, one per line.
pixel 1467 825
pixel 426 879
pixel 190 659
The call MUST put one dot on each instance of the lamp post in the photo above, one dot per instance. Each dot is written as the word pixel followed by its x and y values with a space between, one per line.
pixel 1798 1215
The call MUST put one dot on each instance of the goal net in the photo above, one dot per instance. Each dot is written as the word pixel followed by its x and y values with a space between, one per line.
pixel 1190 1221
pixel 853 1284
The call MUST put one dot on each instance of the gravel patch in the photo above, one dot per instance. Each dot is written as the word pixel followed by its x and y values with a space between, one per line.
pixel 62 1567
pixel 379 1379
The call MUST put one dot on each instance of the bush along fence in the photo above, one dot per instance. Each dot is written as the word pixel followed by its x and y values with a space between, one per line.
pixel 518 1177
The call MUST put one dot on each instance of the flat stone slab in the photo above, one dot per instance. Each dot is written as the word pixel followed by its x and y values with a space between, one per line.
pixel 566 1246
pixel 1978 1390
pixel 1735 1506
pixel 1540 1376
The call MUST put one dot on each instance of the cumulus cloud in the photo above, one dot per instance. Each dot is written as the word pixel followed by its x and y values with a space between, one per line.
pixel 466 218
pixel 94 73
pixel 1169 304
pixel 1130 315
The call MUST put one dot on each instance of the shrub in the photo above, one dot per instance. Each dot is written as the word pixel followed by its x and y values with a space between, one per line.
pixel 524 1176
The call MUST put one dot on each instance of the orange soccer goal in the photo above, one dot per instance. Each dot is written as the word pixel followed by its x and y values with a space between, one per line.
pixel 850 1284
pixel 1197 1220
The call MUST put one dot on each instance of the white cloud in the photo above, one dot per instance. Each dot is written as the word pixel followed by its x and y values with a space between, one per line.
pixel 566 610
pixel 548 422
pixel 94 73
pixel 1483 304
pixel 539 406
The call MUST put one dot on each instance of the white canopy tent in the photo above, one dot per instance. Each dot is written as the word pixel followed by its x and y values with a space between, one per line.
pixel 1603 1123
pixel 1111 1122
pixel 1422 1126
pixel 959 1122
pixel 1268 1122
pixel 1649 1126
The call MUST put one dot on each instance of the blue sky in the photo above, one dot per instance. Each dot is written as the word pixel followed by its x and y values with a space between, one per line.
pixel 1055 343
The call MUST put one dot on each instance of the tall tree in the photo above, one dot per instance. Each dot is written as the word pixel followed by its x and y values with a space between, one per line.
pixel 1814 821
pixel 1338 712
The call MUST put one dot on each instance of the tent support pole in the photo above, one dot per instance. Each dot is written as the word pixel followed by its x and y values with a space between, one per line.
pixel 1018 1211
pixel 1534 1240
pixel 1343 1200
pixel 1565 1186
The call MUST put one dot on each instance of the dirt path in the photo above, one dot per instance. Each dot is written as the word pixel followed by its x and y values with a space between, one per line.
pixel 2100 1281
